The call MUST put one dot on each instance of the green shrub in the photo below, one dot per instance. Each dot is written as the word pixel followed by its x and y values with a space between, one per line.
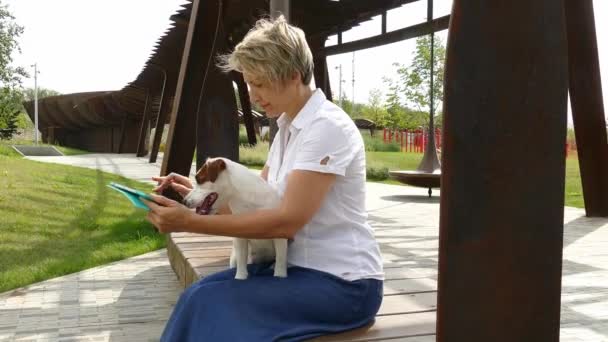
pixel 377 173
pixel 376 144
pixel 254 155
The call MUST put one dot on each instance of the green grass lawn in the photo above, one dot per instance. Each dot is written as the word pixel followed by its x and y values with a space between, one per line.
pixel 574 188
pixel 410 161
pixel 57 219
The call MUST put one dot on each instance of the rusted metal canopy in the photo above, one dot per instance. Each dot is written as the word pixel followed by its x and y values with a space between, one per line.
pixel 318 18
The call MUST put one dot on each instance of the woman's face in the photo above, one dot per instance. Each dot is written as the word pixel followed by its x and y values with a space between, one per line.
pixel 274 98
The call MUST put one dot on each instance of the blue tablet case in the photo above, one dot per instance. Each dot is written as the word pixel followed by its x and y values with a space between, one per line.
pixel 133 195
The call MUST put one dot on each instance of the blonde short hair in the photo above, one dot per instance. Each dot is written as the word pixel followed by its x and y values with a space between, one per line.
pixel 272 50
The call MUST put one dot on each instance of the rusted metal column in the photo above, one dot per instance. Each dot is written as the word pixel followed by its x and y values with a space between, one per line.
pixel 161 115
pixel 278 7
pixel 503 165
pixel 587 105
pixel 121 139
pixel 198 54
pixel 144 127
pixel 320 61
pixel 163 111
pixel 142 145
pixel 245 106
pixel 217 127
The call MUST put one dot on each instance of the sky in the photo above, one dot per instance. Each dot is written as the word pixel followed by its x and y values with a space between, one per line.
pixel 91 45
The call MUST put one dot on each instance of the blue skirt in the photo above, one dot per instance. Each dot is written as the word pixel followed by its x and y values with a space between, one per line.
pixel 306 304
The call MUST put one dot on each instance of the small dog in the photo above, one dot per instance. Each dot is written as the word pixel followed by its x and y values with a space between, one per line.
pixel 223 182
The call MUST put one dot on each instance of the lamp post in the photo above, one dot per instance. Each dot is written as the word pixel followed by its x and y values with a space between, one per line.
pixel 35 65
pixel 340 86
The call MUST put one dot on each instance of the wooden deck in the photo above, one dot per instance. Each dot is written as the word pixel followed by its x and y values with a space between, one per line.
pixel 410 290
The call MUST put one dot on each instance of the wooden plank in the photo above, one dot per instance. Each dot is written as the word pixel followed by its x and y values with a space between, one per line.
pixel 186 239
pixel 424 338
pixel 408 303
pixel 206 253
pixel 405 272
pixel 409 285
pixel 209 262
pixel 389 327
pixel 185 246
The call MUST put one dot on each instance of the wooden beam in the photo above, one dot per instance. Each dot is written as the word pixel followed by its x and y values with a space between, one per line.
pixel 438 24
pixel 503 166
pixel 587 105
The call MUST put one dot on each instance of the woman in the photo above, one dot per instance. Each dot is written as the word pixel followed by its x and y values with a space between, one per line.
pixel 317 163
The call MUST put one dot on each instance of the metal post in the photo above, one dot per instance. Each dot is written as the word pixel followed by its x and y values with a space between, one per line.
pixel 340 87
pixel 36 102
pixel 278 7
pixel 353 104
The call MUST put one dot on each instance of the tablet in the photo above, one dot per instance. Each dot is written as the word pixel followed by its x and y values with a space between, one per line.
pixel 133 195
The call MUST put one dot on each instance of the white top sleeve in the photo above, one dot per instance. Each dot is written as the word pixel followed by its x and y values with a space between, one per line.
pixel 325 149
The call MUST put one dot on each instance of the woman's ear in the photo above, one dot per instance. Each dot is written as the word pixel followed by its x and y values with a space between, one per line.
pixel 296 77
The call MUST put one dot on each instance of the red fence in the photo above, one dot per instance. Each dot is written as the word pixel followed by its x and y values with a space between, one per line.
pixel 410 140
pixel 415 140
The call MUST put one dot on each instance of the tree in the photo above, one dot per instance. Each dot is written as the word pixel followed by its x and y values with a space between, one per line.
pixel 415 80
pixel 10 77
pixel 10 110
pixel 28 94
pixel 375 110
pixel 24 121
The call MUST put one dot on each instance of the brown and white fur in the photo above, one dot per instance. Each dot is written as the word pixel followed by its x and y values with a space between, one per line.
pixel 222 182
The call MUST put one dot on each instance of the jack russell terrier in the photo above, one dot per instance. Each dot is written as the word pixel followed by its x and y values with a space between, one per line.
pixel 223 182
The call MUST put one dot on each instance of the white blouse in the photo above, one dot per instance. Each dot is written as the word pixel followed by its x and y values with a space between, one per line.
pixel 338 239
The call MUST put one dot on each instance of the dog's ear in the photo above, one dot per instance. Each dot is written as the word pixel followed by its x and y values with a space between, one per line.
pixel 201 174
pixel 214 169
pixel 210 171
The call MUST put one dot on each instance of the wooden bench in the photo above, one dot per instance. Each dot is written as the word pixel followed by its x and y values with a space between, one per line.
pixel 407 313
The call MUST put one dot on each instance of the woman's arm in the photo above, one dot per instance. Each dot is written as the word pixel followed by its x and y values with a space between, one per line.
pixel 305 192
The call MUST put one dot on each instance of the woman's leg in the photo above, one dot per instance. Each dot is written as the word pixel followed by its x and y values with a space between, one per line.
pixel 306 304
pixel 185 298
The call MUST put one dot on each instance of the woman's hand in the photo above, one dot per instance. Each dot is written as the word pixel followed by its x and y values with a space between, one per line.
pixel 179 183
pixel 167 215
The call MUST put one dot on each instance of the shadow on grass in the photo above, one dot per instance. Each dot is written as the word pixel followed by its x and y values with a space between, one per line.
pixel 84 241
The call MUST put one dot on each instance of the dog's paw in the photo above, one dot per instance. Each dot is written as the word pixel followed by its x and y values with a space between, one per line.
pixel 241 275
pixel 280 273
